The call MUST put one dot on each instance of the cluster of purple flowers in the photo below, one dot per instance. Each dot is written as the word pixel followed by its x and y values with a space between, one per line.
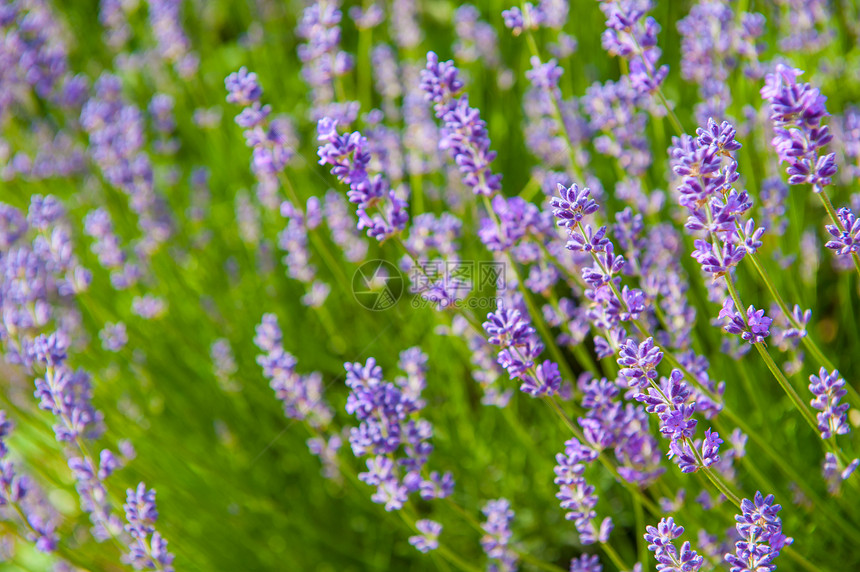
pixel 301 395
pixel 37 275
pixel 546 14
pixel 35 57
pixel 833 472
pixel 148 549
pixel 107 246
pixel 674 404
pixel 829 389
pixel 293 241
pixel 611 424
pixel 395 440
pixel 708 169
pixel 270 139
pixel 753 328
pixel 323 62
pixel 668 557
pixel 36 284
pixel 68 393
pixel 715 40
pixel 705 189
pixel 762 539
pixel 172 44
pixel 497 535
pixel 797 110
pixel 512 332
pixel 576 495
pixel 464 133
pixel 476 39
pixel 19 491
pixel 429 538
pixel 117 140
pixel 633 36
pixel 349 158
pixel 609 306
pixel 846 235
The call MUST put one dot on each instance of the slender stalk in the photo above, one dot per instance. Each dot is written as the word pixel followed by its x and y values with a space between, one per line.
pixel 556 114
pixel 786 386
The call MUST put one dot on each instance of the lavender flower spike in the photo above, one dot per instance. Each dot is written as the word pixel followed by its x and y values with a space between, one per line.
pixel 761 535
pixel 429 538
pixel 464 134
pixel 148 550
pixel 660 539
pixel 829 389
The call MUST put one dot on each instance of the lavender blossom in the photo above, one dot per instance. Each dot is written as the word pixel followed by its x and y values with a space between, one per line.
pixel 323 62
pixel 829 389
pixel 349 160
pixel 19 491
pixel 668 557
pixel 586 563
pixel 633 36
pixel 639 363
pixel 834 474
pixel 464 134
pixel 148 549
pixel 173 45
pixel 429 537
pixel 113 336
pixel 754 328
pixel 497 537
pixel 576 495
pixel 390 434
pixel 846 237
pixel 519 348
pixel 797 110
pixel 302 395
pixel 760 530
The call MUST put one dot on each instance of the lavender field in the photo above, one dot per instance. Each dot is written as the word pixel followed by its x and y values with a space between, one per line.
pixel 423 285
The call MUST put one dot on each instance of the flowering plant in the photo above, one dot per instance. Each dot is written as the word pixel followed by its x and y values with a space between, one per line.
pixel 533 286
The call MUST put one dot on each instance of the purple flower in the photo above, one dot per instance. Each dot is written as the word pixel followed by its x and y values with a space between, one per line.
pixel 796 111
pixel 148 550
pixel 506 327
pixel 394 439
pixel 586 563
pixel 497 537
pixel 829 389
pixel 544 75
pixel 349 159
pixel 464 133
pixel 639 363
pixel 113 336
pixel 834 474
pixel 429 538
pixel 754 329
pixel 572 205
pixel 760 530
pixel 148 306
pixel 631 35
pixel 575 495
pixel 668 558
pixel 546 380
pixel 19 491
pixel 846 236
